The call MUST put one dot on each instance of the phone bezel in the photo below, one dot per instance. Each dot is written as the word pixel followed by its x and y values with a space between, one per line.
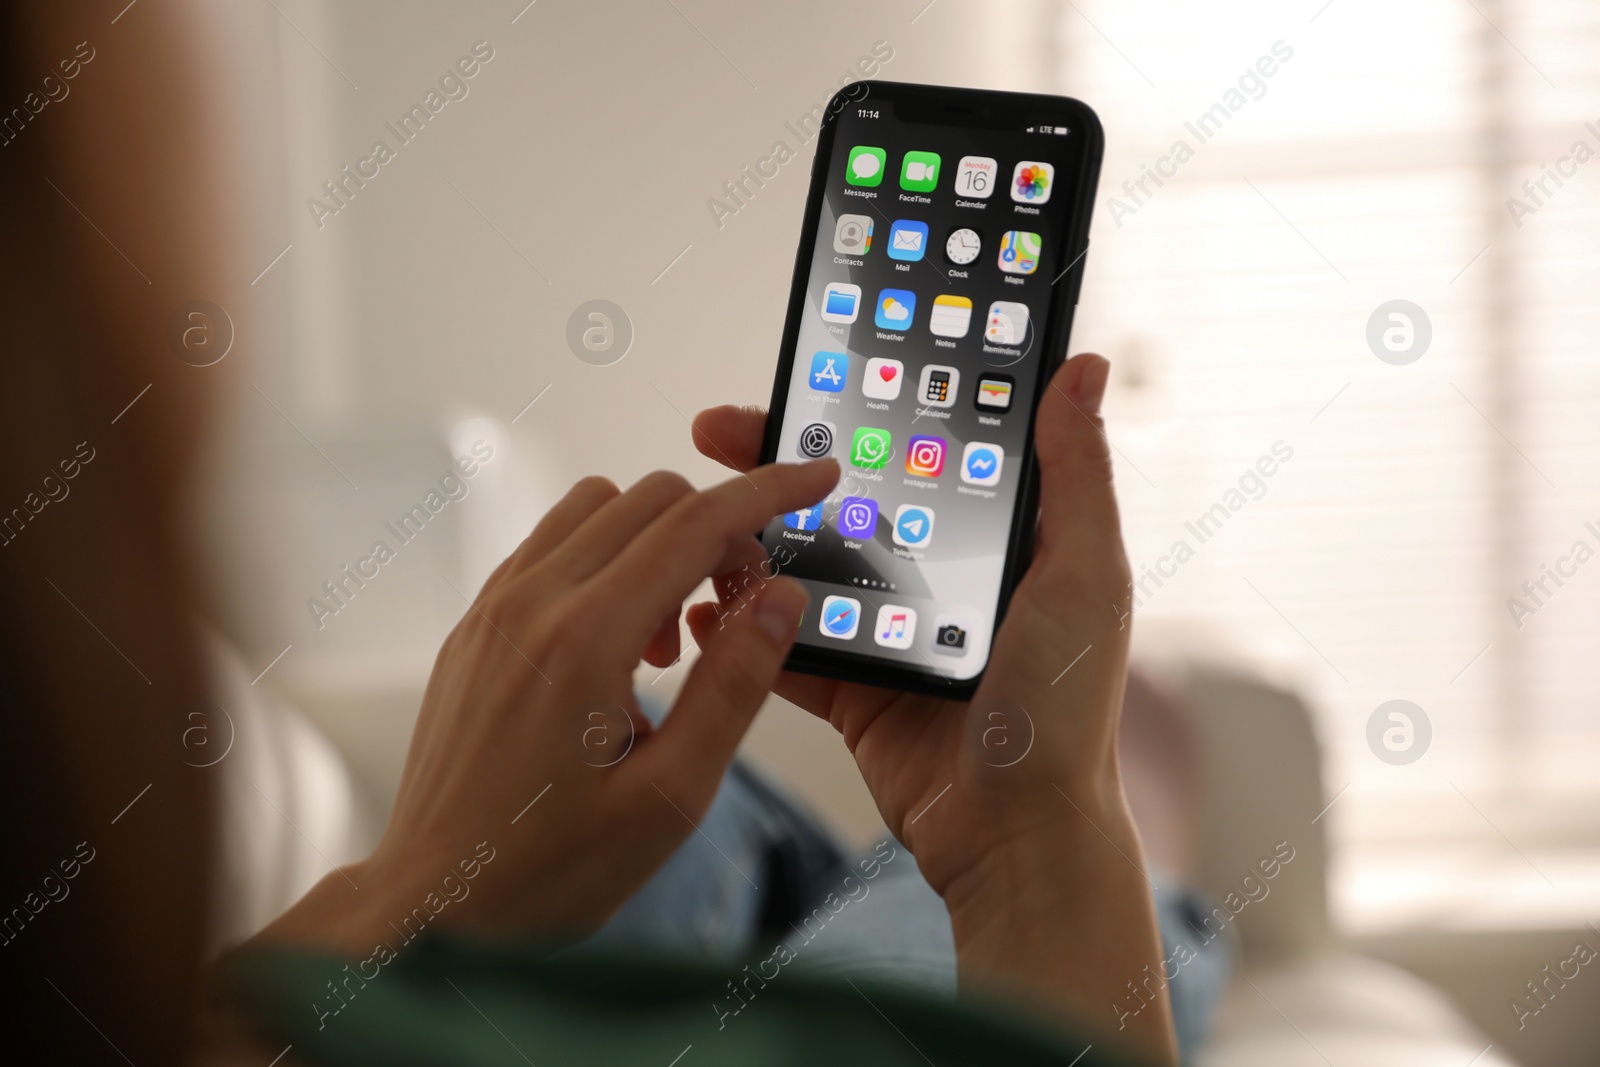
pixel 979 109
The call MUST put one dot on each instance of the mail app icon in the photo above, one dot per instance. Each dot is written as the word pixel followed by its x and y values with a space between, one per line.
pixel 908 240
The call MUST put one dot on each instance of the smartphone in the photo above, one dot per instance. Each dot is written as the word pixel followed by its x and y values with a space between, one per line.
pixel 939 265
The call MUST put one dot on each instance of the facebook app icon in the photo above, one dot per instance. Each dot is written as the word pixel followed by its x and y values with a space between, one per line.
pixel 828 371
pixel 804 519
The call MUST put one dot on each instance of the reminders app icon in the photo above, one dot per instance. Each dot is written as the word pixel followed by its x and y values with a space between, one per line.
pixel 840 302
pixel 1008 323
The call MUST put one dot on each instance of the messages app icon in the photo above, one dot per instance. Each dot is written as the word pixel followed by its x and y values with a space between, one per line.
pixel 865 166
pixel 871 448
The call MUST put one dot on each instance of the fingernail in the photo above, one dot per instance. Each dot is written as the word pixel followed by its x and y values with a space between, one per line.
pixel 1092 384
pixel 779 609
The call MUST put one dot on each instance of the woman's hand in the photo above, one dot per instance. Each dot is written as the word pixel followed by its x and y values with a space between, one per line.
pixel 1035 855
pixel 530 748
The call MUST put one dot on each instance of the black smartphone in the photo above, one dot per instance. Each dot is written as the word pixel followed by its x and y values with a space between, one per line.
pixel 939 265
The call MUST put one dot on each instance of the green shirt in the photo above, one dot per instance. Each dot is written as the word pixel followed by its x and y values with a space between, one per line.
pixel 444 1000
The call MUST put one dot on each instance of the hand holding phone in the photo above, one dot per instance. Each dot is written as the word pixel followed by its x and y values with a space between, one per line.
pixel 1012 802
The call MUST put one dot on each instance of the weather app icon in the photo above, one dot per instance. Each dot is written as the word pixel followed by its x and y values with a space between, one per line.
pixel 895 309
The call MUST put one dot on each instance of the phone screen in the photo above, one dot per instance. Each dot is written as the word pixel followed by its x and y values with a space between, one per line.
pixel 920 349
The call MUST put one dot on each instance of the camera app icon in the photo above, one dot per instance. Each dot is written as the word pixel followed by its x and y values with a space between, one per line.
pixel 951 636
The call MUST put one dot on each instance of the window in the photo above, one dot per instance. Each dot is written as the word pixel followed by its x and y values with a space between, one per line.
pixel 1373 163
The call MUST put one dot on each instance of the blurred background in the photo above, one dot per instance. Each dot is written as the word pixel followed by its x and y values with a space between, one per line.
pixel 1396 152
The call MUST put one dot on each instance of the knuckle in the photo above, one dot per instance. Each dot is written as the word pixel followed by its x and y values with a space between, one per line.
pixel 597 486
pixel 668 484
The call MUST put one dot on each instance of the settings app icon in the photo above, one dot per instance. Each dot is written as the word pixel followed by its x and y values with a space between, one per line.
pixel 816 440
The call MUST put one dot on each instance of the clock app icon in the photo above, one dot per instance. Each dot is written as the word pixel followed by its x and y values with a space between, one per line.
pixel 962 246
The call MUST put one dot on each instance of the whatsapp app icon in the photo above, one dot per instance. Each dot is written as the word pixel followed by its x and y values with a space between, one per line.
pixel 870 448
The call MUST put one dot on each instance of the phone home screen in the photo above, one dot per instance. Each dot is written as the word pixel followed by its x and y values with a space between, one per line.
pixel 916 365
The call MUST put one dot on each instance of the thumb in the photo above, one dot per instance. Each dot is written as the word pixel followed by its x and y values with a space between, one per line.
pixel 691 752
pixel 1077 501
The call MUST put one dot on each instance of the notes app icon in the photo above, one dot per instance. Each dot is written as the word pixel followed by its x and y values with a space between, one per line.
pixel 951 316
pixel 897 626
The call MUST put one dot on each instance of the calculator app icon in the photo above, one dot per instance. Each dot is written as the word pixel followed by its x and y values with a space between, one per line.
pixel 939 386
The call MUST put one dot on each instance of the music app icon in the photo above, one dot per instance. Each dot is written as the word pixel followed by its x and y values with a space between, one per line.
pixel 897 626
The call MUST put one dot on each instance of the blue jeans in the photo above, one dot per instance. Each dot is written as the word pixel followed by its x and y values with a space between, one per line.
pixel 761 872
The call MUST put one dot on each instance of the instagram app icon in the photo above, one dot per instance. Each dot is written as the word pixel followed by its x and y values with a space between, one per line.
pixel 925 457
